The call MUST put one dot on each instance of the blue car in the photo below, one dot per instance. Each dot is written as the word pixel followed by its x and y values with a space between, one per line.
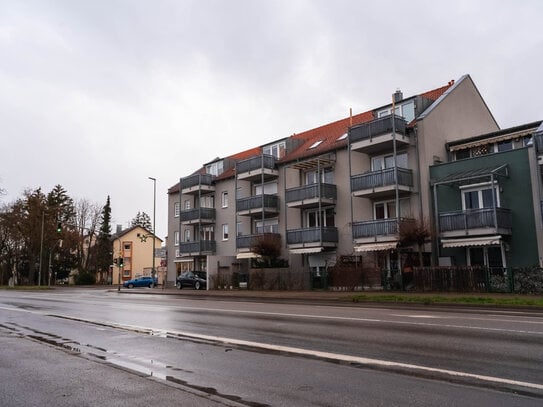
pixel 141 282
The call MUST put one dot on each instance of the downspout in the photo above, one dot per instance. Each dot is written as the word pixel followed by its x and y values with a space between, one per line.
pixel 397 190
pixel 320 216
pixel 349 152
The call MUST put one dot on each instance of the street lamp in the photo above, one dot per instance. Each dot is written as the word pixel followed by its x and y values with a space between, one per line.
pixel 153 272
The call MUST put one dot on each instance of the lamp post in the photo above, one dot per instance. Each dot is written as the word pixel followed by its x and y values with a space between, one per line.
pixel 153 271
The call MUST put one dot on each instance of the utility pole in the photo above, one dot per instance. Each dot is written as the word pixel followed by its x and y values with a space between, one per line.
pixel 153 271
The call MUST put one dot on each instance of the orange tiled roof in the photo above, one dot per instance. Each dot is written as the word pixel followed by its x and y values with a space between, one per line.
pixel 328 134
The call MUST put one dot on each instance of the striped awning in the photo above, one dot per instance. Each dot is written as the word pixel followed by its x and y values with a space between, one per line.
pixel 471 241
pixel 376 247
pixel 305 250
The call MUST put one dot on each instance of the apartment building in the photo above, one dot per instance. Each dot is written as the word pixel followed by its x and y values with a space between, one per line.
pixel 488 200
pixel 325 194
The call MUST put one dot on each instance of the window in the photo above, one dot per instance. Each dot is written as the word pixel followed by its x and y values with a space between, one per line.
pixel 239 229
pixel 405 110
pixel 215 168
pixel 127 246
pixel 315 144
pixel 326 175
pixel 461 154
pixel 267 226
pixel 277 149
pixel 505 145
pixel 270 188
pixel 207 201
pixel 224 199
pixel 489 256
pixel 187 235
pixel 176 238
pixel 387 209
pixel 176 208
pixel 225 231
pixel 478 197
pixel 207 233
pixel 324 218
pixel 187 205
pixel 387 161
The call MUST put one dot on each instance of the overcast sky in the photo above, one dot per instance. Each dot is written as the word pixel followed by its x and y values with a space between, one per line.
pixel 99 95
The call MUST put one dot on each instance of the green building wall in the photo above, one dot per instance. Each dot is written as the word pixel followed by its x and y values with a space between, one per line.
pixel 515 194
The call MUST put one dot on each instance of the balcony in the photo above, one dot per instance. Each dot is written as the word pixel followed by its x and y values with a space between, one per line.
pixel 376 184
pixel 377 135
pixel 475 222
pixel 312 237
pixel 197 216
pixel 257 168
pixel 376 230
pixel 199 248
pixel 196 183
pixel 258 205
pixel 312 195
pixel 248 241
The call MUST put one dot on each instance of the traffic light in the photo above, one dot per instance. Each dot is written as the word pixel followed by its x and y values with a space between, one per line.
pixel 121 261
pixel 59 227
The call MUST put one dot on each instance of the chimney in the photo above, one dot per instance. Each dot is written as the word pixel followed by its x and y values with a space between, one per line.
pixel 398 96
pixel 119 228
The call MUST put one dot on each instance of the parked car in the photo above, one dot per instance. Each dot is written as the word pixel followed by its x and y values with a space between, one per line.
pixel 194 279
pixel 141 282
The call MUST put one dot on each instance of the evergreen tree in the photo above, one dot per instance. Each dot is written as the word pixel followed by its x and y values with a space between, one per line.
pixel 143 220
pixel 104 244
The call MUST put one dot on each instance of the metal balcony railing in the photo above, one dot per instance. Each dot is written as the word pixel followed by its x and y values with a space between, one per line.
pixel 312 235
pixel 248 241
pixel 378 227
pixel 381 178
pixel 255 163
pixel 377 127
pixel 311 191
pixel 498 218
pixel 197 214
pixel 197 247
pixel 257 202
pixel 197 179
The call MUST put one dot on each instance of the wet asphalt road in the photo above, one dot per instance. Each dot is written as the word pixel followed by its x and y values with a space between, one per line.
pixel 159 348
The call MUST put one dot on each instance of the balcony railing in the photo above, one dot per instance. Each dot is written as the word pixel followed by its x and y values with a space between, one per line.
pixel 197 179
pixel 248 241
pixel 255 163
pixel 197 214
pixel 497 218
pixel 381 178
pixel 372 228
pixel 312 235
pixel 257 202
pixel 197 247
pixel 377 127
pixel 312 191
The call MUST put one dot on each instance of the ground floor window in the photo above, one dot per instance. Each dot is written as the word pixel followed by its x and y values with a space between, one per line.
pixel 489 256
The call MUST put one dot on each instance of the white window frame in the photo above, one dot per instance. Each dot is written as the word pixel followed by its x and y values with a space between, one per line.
pixel 207 233
pixel 383 161
pixel 225 231
pixel 215 168
pixel 176 238
pixel 277 149
pixel 187 204
pixel 405 207
pixel 224 199
pixel 186 235
pixel 207 201
pixel 270 188
pixel 267 225
pixel 479 188
pixel 176 209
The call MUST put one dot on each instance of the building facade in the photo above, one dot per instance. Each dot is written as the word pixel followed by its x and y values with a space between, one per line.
pixel 135 246
pixel 337 192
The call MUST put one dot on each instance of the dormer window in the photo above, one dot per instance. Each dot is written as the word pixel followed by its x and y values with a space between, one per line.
pixel 215 168
pixel 277 149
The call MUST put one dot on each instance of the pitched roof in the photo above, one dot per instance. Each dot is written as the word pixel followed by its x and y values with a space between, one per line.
pixel 320 140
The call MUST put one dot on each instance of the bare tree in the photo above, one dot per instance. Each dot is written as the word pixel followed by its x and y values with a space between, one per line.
pixel 87 219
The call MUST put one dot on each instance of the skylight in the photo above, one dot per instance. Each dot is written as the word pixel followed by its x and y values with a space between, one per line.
pixel 315 144
pixel 342 137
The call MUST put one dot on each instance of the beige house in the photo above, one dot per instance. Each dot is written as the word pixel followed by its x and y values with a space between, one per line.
pixel 328 195
pixel 135 246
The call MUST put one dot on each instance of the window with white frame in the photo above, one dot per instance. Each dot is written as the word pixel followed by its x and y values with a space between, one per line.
pixel 326 176
pixel 224 199
pixel 387 209
pixel 239 230
pixel 176 208
pixel 405 110
pixel 225 231
pixel 207 233
pixel 324 218
pixel 277 149
pixel 176 238
pixel 269 188
pixel 215 168
pixel 480 196
pixel 382 162
pixel 267 226
pixel 187 204
pixel 207 201
pixel 186 237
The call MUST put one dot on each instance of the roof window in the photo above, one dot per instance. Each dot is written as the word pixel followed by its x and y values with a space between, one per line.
pixel 315 144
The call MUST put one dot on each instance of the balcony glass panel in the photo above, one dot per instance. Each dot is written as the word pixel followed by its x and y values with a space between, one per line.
pixel 377 127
